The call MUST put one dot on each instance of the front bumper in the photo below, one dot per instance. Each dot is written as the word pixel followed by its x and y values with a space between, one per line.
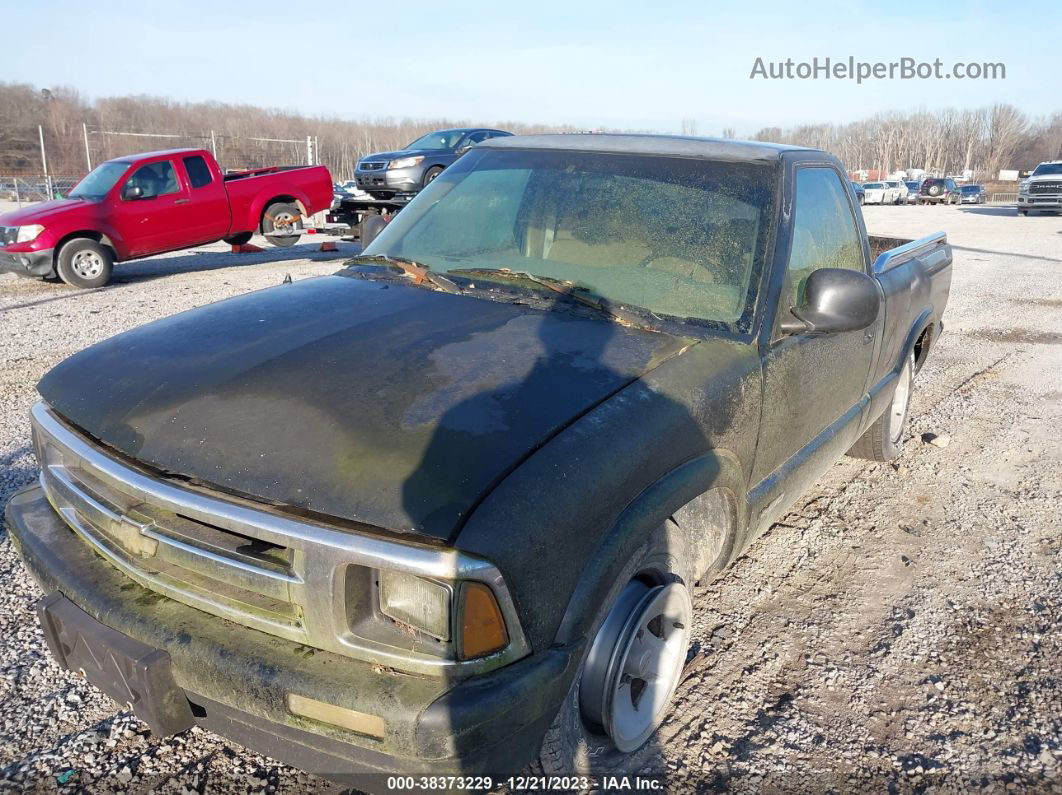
pixel 28 263
pixel 237 680
pixel 398 180
pixel 1046 201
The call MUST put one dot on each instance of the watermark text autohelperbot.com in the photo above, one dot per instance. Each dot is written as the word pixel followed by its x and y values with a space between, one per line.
pixel 862 71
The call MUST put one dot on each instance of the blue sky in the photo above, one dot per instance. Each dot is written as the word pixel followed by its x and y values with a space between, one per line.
pixel 592 64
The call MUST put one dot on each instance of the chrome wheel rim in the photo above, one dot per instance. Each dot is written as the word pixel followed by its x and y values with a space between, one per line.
pixel 900 399
pixel 87 264
pixel 636 661
pixel 284 224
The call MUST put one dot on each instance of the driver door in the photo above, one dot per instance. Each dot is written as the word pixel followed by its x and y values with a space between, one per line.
pixel 815 385
pixel 151 210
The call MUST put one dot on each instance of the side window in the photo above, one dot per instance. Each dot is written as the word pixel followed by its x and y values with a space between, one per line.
pixel 476 137
pixel 154 179
pixel 824 232
pixel 198 171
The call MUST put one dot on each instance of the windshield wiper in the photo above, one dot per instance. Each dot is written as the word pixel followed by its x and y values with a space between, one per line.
pixel 419 272
pixel 627 315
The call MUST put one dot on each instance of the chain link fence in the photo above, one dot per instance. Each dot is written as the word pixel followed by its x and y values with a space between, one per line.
pixel 233 153
pixel 25 188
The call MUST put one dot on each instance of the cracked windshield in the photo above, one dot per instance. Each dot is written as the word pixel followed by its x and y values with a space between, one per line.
pixel 679 237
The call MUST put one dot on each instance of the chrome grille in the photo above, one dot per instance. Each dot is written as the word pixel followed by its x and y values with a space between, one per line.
pixel 373 166
pixel 234 559
pixel 1045 187
pixel 8 234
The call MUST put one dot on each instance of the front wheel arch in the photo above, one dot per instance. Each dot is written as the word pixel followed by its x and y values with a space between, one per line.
pixel 670 503
pixel 91 234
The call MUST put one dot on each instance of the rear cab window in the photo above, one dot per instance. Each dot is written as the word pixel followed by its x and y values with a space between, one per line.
pixel 198 171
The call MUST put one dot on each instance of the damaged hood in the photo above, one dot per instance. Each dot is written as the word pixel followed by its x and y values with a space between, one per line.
pixel 394 406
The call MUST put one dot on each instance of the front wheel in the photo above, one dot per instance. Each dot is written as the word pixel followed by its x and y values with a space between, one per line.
pixel 883 440
pixel 85 263
pixel 430 175
pixel 628 677
pixel 1022 211
pixel 282 224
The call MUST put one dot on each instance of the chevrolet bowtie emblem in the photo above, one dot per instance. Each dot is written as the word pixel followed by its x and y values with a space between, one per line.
pixel 129 532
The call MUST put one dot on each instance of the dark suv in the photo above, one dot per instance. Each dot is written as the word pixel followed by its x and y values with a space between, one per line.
pixel 385 174
pixel 939 190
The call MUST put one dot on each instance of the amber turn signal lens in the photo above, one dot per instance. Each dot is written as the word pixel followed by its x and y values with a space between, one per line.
pixel 482 626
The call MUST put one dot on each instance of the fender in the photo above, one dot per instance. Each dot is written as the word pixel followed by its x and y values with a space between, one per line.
pixel 657 504
pixel 94 234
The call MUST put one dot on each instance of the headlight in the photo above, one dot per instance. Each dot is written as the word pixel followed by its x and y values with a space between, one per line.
pixel 28 233
pixel 405 162
pixel 416 602
pixel 426 605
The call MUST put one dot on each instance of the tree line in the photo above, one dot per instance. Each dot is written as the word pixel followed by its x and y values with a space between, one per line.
pixel 945 141
pixel 62 111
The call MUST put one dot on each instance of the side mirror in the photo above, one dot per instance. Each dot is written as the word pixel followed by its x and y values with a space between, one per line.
pixel 464 149
pixel 835 300
pixel 132 192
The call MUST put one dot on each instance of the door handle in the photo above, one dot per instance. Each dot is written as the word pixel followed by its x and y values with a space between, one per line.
pixel 181 201
pixel 867 338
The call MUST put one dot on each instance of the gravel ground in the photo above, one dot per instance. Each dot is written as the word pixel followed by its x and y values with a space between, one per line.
pixel 897 631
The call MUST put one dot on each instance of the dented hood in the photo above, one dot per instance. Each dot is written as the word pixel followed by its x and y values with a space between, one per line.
pixel 390 405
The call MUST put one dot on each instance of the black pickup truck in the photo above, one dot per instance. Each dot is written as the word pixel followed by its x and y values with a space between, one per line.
pixel 442 511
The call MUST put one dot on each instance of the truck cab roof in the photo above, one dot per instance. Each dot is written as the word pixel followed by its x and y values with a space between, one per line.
pixel 641 144
pixel 159 153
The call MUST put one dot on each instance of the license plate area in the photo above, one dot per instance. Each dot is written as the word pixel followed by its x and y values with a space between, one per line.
pixel 130 672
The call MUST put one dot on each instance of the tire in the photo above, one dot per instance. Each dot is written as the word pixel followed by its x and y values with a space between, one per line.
pixel 883 440
pixel 85 263
pixel 370 227
pixel 862 200
pixel 1023 212
pixel 430 175
pixel 602 694
pixel 240 239
pixel 282 216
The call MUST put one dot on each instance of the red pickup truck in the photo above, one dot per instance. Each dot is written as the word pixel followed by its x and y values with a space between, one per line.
pixel 146 204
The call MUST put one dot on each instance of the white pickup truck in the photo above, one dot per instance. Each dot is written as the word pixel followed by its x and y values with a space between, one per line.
pixel 1042 190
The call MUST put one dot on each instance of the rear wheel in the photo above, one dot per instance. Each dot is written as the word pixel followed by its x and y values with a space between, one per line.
pixel 282 224
pixel 624 687
pixel 85 263
pixel 883 440
pixel 370 227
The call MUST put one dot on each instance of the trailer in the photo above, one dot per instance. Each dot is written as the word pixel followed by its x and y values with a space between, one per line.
pixel 367 216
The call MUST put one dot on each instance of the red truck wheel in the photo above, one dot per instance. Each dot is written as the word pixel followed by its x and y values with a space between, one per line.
pixel 285 219
pixel 85 263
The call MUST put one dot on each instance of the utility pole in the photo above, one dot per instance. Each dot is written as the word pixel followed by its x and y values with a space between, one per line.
pixel 88 154
pixel 44 160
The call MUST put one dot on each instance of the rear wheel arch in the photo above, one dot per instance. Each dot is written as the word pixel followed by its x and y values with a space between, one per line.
pixel 679 502
pixel 924 341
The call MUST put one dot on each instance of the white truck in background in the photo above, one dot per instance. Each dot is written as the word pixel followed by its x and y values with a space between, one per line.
pixel 1042 190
